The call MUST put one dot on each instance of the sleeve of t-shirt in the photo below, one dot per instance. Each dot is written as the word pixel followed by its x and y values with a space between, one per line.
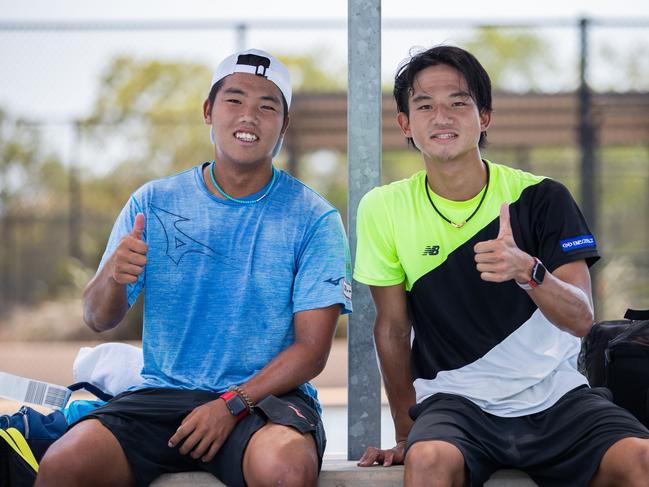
pixel 323 275
pixel 562 231
pixel 122 227
pixel 377 262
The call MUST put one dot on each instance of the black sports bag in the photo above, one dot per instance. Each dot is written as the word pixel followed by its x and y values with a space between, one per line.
pixel 615 354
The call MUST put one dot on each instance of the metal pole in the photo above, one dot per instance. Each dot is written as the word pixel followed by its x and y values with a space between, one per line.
pixel 74 215
pixel 523 158
pixel 7 258
pixel 4 246
pixel 364 166
pixel 589 170
pixel 242 35
pixel 644 260
pixel 292 156
pixel 586 134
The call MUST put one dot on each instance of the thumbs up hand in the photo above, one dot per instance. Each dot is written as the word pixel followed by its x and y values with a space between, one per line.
pixel 500 260
pixel 138 226
pixel 505 231
pixel 129 258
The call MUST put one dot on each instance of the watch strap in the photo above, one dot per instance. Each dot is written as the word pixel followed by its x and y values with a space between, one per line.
pixel 526 285
pixel 230 397
pixel 243 395
pixel 531 284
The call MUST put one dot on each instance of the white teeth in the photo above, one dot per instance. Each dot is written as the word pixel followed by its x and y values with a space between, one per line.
pixel 444 136
pixel 245 136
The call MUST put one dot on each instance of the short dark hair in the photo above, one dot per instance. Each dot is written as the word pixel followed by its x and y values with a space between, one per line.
pixel 463 61
pixel 217 86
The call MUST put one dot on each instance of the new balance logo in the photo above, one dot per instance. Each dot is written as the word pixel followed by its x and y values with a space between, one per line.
pixel 431 250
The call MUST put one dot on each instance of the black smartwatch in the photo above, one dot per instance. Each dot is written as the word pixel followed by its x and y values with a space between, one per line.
pixel 237 406
pixel 538 274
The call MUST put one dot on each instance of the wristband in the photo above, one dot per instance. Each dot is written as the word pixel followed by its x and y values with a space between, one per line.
pixel 538 274
pixel 244 395
pixel 235 404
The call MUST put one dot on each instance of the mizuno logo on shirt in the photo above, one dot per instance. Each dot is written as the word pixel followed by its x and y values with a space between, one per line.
pixel 583 241
pixel 179 243
pixel 431 250
pixel 334 282
pixel 347 288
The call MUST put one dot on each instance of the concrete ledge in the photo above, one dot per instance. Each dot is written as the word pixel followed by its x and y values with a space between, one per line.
pixel 342 473
pixel 510 478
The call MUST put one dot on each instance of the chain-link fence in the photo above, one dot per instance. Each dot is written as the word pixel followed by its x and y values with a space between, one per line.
pixel 90 111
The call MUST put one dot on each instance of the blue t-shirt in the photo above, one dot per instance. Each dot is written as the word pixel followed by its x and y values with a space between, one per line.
pixel 223 279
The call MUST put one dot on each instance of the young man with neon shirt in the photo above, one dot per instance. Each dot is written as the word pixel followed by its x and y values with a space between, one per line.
pixel 488 266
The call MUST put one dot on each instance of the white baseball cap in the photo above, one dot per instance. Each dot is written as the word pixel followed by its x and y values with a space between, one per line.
pixel 261 63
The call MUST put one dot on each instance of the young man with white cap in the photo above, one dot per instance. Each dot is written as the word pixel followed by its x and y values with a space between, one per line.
pixel 245 271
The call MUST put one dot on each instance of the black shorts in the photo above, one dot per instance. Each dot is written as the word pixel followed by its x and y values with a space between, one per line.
pixel 144 420
pixel 561 446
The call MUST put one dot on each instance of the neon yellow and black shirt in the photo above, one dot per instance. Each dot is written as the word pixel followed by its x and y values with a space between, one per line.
pixel 485 341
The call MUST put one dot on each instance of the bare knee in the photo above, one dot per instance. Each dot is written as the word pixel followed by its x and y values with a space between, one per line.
pixel 638 474
pixel 290 472
pixel 288 460
pixel 87 455
pixel 434 463
pixel 625 463
pixel 61 465
pixel 433 454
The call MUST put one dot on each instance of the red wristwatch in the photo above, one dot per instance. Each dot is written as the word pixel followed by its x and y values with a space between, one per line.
pixel 237 406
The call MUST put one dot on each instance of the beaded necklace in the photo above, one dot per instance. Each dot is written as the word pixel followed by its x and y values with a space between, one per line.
pixel 461 224
pixel 237 200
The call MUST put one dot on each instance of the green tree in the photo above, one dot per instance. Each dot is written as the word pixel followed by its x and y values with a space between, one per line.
pixel 627 68
pixel 149 114
pixel 315 72
pixel 30 179
pixel 32 218
pixel 515 60
pixel 152 110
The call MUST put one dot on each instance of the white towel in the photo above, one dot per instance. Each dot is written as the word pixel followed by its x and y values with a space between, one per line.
pixel 112 367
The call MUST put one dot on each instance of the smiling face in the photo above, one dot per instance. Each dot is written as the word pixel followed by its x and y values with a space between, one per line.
pixel 247 119
pixel 444 121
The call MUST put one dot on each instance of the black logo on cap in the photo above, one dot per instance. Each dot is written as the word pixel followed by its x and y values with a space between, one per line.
pixel 260 63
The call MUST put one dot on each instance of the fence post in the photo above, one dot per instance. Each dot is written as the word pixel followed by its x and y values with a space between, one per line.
pixel 241 36
pixel 586 133
pixel 589 171
pixel 364 166
pixel 74 202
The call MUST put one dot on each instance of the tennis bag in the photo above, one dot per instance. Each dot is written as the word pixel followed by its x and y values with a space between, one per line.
pixel 615 354
pixel 39 430
pixel 18 467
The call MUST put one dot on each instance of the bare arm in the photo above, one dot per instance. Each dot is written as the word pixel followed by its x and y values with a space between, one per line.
pixel 207 427
pixel 104 298
pixel 565 297
pixel 302 361
pixel 392 337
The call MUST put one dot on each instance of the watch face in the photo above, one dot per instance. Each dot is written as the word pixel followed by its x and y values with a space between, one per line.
pixel 538 273
pixel 236 405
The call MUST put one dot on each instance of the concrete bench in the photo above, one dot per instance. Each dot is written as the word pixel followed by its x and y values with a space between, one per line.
pixel 342 473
